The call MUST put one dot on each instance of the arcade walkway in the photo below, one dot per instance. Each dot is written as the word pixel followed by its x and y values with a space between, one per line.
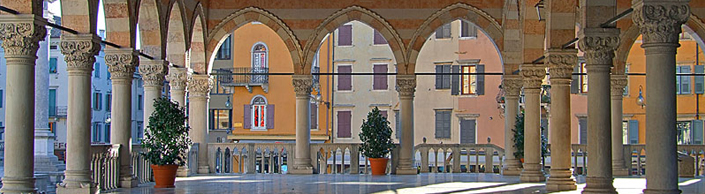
pixel 423 183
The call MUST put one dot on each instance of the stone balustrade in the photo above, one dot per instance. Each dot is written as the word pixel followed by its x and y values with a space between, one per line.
pixel 140 166
pixel 105 166
pixel 459 158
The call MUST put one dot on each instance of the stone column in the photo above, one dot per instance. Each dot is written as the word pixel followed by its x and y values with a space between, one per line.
pixel 79 52
pixel 20 35
pixel 618 82
pixel 512 87
pixel 599 45
pixel 199 87
pixel 152 72
pixel 660 24
pixel 177 78
pixel 560 63
pixel 406 87
pixel 533 75
pixel 121 64
pixel 302 160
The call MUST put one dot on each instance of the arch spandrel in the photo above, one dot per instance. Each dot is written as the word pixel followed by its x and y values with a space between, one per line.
pixel 151 27
pixel 197 47
pixel 176 41
pixel 120 22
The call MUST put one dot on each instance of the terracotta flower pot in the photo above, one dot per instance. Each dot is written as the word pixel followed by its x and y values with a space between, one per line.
pixel 522 160
pixel 164 175
pixel 379 165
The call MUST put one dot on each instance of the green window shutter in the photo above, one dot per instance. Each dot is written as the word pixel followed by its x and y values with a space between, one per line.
pixel 455 84
pixel 633 132
pixel 439 125
pixel 685 80
pixel 480 80
pixel 678 80
pixel 397 127
pixel 698 132
pixel 439 78
pixel 52 65
pixel 699 79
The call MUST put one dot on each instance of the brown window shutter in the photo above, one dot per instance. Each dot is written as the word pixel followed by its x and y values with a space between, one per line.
pixel 345 35
pixel 378 38
pixel 344 124
pixel 247 117
pixel 270 116
pixel 344 81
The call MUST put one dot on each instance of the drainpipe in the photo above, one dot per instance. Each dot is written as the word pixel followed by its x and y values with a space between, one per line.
pixel 697 96
pixel 331 49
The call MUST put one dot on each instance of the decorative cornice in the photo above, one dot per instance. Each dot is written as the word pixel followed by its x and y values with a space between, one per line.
pixel 660 21
pixel 302 85
pixel 617 84
pixel 560 63
pixel 153 72
pixel 79 51
pixel 121 63
pixel 406 85
pixel 199 85
pixel 599 45
pixel 532 75
pixel 512 85
pixel 21 37
pixel 177 78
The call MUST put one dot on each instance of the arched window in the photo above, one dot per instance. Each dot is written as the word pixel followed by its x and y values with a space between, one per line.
pixel 259 62
pixel 259 112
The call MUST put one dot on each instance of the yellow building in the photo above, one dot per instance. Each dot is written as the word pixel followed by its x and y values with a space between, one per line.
pixel 259 107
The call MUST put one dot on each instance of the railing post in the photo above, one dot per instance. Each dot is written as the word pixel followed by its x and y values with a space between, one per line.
pixel 424 159
pixel 489 166
pixel 355 159
pixel 251 159
pixel 456 159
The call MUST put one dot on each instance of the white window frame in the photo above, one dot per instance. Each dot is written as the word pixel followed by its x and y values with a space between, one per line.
pixel 266 54
pixel 460 31
pixel 252 114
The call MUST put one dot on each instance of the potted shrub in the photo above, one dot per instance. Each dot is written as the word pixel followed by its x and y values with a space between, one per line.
pixel 519 139
pixel 164 140
pixel 376 137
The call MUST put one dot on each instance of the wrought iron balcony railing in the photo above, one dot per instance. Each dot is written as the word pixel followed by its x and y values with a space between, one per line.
pixel 241 76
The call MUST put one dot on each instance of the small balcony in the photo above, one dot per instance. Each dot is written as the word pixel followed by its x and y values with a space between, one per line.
pixel 58 111
pixel 243 76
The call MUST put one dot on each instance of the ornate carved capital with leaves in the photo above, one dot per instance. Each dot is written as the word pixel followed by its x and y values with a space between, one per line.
pixel 121 63
pixel 660 21
pixel 177 78
pixel 200 85
pixel 512 85
pixel 560 63
pixel 79 51
pixel 302 85
pixel 617 84
pixel 599 45
pixel 406 85
pixel 532 75
pixel 153 72
pixel 21 37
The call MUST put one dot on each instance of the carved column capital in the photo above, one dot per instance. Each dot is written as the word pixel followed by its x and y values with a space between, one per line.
pixel 532 75
pixel 177 78
pixel 617 83
pixel 153 72
pixel 199 85
pixel 512 85
pixel 406 85
pixel 121 63
pixel 660 21
pixel 79 52
pixel 560 64
pixel 302 85
pixel 21 34
pixel 599 45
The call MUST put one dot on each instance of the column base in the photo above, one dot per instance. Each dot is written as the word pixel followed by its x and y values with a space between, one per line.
pixel 658 191
pixel 183 171
pixel 560 180
pixel 93 189
pixel 512 167
pixel 532 173
pixel 203 170
pixel 301 170
pixel 18 185
pixel 620 171
pixel 599 185
pixel 406 171
pixel 129 182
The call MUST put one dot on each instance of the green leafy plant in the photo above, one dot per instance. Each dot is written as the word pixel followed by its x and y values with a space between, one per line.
pixel 166 136
pixel 376 135
pixel 519 138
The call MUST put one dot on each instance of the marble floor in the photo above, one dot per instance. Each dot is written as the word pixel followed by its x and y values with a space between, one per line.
pixel 423 183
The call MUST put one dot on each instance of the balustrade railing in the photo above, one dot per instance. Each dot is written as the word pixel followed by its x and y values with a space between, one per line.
pixel 140 166
pixel 105 165
pixel 250 158
pixel 458 158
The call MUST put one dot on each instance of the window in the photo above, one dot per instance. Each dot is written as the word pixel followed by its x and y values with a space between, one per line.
pixel 220 119
pixel 108 100
pixel 97 130
pixel 52 102
pixel 682 81
pixel 314 115
pixel 699 80
pixel 225 49
pixel 52 65
pixel 442 77
pixel 96 69
pixel 315 68
pixel 469 82
pixel 468 131
pixel 258 114
pixel 443 31
pixel 2 97
pixel 443 124
pixel 140 134
pixel 378 38
pixel 107 133
pixel 344 125
pixel 582 128
pixel 344 81
pixel 685 132
pixel 468 30
pixel 630 132
pixel 380 81
pixel 345 35
pixel 583 78
pixel 97 99
pixel 259 62
pixel 397 127
pixel 139 102
pixel 53 47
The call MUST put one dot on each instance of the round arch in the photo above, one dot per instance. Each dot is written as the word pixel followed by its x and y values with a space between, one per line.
pixel 176 42
pixel 446 15
pixel 346 15
pixel 150 28
pixel 197 52
pixel 629 36
pixel 120 22
pixel 247 15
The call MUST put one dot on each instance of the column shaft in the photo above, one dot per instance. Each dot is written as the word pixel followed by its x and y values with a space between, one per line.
pixel 533 170
pixel 561 64
pixel 79 51
pixel 618 82
pixel 121 64
pixel 406 88
pixel 302 160
pixel 199 87
pixel 512 87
